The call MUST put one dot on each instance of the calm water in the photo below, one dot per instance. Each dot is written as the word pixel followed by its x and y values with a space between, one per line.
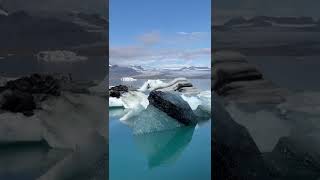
pixel 295 73
pixel 182 153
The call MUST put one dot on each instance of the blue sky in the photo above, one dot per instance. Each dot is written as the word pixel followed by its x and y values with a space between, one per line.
pixel 160 33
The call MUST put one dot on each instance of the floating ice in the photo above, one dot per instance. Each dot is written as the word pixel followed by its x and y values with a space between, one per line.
pixel 64 117
pixel 151 85
pixel 193 101
pixel 164 147
pixel 128 79
pixel 115 102
pixel 15 127
pixel 205 98
pixel 153 120
pixel 60 56
pixel 134 98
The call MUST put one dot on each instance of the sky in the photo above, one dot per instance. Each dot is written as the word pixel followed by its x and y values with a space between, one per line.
pixel 90 6
pixel 161 34
pixel 224 10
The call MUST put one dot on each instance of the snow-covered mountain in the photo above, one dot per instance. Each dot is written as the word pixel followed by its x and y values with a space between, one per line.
pixel 116 71
pixel 269 21
pixel 138 68
pixel 143 72
pixel 195 68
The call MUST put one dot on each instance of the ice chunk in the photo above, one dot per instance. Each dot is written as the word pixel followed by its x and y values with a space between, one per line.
pixel 115 102
pixel 260 123
pixel 164 147
pixel 153 120
pixel 15 127
pixel 66 116
pixel 128 79
pixel 193 101
pixel 132 99
pixel 60 56
pixel 89 157
pixel 132 112
pixel 151 85
pixel 205 98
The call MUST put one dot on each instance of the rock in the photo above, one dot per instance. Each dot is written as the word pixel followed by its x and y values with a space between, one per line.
pixel 117 91
pixel 18 101
pixel 235 154
pixel 173 105
pixel 23 94
pixel 36 84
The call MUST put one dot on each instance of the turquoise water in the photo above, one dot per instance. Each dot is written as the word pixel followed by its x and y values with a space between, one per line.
pixel 183 153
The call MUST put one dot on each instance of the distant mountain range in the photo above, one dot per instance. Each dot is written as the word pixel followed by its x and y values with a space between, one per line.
pixel 116 71
pixel 302 23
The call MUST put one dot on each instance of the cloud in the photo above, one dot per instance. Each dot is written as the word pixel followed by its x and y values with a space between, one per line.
pixel 193 35
pixel 154 48
pixel 150 38
pixel 145 55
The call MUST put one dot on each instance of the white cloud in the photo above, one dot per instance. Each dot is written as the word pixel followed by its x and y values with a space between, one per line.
pixel 144 53
pixel 150 38
pixel 193 35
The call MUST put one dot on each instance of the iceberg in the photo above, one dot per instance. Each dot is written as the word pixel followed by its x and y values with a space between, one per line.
pixel 153 120
pixel 15 127
pixel 60 56
pixel 132 99
pixel 151 85
pixel 115 102
pixel 193 101
pixel 164 147
pixel 144 117
pixel 128 79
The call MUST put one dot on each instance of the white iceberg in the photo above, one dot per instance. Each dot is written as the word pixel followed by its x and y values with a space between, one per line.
pixel 145 119
pixel 129 79
pixel 193 101
pixel 115 102
pixel 60 56
pixel 151 85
